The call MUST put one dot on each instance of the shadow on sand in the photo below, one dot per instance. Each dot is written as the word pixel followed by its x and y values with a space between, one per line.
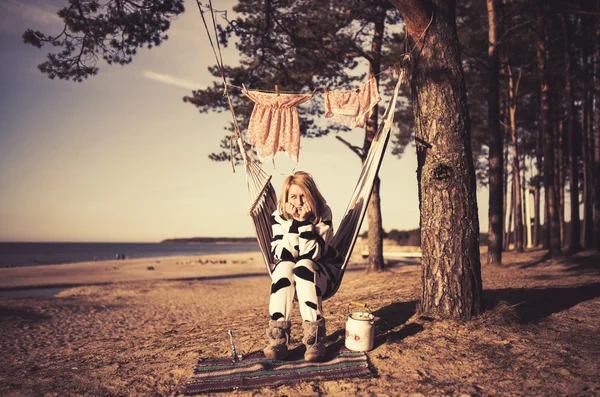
pixel 585 263
pixel 537 261
pixel 392 316
pixel 582 262
pixel 23 314
pixel 532 304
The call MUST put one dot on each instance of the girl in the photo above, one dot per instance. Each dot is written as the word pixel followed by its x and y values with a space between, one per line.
pixel 302 232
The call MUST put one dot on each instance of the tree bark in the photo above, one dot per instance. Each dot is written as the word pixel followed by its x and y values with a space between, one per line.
pixel 511 213
pixel 597 132
pixel 587 52
pixel 513 89
pixel 573 143
pixel 551 221
pixel 525 207
pixel 375 239
pixel 451 268
pixel 560 181
pixel 588 183
pixel 506 225
pixel 496 160
pixel 505 231
pixel 537 187
pixel 536 214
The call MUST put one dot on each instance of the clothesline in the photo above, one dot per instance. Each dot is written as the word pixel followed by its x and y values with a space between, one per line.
pixel 389 70
pixel 274 127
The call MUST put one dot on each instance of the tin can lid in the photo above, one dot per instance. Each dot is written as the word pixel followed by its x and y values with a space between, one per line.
pixel 362 316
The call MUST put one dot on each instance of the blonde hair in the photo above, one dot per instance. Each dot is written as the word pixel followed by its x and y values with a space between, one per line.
pixel 311 193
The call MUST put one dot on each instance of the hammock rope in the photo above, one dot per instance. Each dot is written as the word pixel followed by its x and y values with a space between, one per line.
pixel 219 58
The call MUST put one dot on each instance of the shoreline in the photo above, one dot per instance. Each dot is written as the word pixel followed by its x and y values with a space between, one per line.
pixel 94 273
pixel 49 280
pixel 23 254
pixel 217 266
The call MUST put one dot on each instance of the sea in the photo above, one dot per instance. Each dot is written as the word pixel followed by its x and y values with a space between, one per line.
pixel 37 254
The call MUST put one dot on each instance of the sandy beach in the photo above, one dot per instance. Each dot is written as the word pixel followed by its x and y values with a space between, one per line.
pixel 122 329
pixel 121 271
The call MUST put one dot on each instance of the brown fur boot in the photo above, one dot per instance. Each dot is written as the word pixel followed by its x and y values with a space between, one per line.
pixel 278 335
pixel 314 339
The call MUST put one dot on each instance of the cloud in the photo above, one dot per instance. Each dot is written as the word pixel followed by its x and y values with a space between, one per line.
pixel 30 13
pixel 170 80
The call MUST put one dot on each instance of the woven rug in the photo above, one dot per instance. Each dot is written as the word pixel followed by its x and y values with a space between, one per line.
pixel 255 371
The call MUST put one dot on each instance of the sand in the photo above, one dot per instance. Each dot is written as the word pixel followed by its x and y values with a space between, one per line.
pixel 141 332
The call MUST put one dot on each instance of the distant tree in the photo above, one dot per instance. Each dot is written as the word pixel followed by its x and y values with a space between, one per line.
pixel 587 30
pixel 414 240
pixel 551 197
pixel 397 236
pixel 405 237
pixel 496 159
pixel 572 136
pixel 597 129
pixel 472 26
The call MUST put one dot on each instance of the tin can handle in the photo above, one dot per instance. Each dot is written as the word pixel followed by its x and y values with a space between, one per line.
pixel 362 305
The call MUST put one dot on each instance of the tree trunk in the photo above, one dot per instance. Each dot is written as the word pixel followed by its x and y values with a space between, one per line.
pixel 560 182
pixel 597 132
pixel 506 227
pixel 546 224
pixel 537 187
pixel 511 213
pixel 551 221
pixel 573 143
pixel 588 182
pixel 375 239
pixel 451 268
pixel 513 89
pixel 496 160
pixel 536 214
pixel 528 216
pixel 524 201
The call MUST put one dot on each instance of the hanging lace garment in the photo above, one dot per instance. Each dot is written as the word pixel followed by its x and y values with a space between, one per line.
pixel 274 125
pixel 353 107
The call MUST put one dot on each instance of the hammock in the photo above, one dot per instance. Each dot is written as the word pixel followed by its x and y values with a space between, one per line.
pixel 262 196
pixel 263 199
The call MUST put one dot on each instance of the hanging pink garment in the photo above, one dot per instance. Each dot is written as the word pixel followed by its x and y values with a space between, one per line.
pixel 352 108
pixel 274 125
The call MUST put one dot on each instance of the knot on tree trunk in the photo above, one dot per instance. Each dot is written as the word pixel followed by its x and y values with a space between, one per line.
pixel 442 175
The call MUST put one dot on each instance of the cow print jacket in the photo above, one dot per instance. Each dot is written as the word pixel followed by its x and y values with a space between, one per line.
pixel 294 240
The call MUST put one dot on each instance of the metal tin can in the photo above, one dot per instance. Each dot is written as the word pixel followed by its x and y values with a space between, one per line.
pixel 360 331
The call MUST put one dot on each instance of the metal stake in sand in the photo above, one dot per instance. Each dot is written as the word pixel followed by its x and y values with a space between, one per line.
pixel 233 352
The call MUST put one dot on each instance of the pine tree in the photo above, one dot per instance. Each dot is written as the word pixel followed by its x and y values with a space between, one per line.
pixel 449 221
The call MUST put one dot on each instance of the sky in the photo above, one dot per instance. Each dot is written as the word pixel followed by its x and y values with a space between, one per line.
pixel 121 158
